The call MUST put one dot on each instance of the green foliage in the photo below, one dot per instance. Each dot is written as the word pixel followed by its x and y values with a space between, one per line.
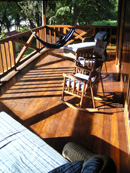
pixel 12 13
pixel 81 11
pixel 31 12
pixel 62 11
pixel 60 15
pixel 105 23
pixel 8 16
pixel 28 52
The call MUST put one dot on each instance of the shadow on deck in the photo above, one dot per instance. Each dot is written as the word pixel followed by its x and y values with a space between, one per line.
pixel 33 98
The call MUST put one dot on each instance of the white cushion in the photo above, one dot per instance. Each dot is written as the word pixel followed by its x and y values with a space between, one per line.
pixel 85 77
pixel 76 83
pixel 80 76
pixel 77 46
pixel 88 63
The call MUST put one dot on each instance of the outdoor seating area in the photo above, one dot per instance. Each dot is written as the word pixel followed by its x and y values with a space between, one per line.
pixel 33 97
pixel 65 86
pixel 87 74
pixel 71 50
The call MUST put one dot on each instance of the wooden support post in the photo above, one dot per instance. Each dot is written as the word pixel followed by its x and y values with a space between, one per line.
pixel 25 48
pixel 120 27
pixel 43 12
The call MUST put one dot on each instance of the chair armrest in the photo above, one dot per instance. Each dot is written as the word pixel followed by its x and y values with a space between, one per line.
pixel 75 152
pixel 88 39
pixel 75 78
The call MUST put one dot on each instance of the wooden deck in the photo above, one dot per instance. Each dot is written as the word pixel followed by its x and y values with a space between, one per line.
pixel 33 98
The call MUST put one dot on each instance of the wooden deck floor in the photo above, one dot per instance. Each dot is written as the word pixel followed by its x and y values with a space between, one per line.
pixel 33 98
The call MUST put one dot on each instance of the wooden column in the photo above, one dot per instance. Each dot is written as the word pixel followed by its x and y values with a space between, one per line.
pixel 43 12
pixel 121 14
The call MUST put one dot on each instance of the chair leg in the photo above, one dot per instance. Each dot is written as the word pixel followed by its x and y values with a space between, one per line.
pixel 81 101
pixel 106 68
pixel 82 97
pixel 62 97
pixel 92 95
pixel 63 93
pixel 105 76
pixel 102 85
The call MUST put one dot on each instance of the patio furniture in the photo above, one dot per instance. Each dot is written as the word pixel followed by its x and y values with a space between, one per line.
pixel 87 44
pixel 71 49
pixel 59 43
pixel 91 162
pixel 86 58
pixel 81 83
pixel 23 151
pixel 101 35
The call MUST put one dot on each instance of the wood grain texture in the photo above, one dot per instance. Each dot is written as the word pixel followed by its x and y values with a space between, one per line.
pixel 33 98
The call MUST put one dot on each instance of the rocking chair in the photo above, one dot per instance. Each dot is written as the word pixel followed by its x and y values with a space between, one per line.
pixel 87 57
pixel 81 83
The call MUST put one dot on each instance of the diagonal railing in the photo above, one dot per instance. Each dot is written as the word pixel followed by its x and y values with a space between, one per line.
pixel 11 56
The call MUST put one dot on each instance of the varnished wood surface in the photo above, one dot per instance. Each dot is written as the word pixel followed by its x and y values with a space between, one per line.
pixel 33 98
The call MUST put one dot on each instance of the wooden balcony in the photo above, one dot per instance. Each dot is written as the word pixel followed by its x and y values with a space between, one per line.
pixel 13 49
pixel 33 95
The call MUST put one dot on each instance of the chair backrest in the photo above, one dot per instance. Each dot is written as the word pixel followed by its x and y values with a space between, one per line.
pixel 102 35
pixel 100 48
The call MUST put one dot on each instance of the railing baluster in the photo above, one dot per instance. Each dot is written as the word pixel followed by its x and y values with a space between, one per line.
pixel 1 63
pixel 50 38
pixel 4 57
pixel 37 42
pixel 59 36
pixel 40 35
pixel 45 34
pixel 54 36
pixel 7 55
pixel 110 36
pixel 12 53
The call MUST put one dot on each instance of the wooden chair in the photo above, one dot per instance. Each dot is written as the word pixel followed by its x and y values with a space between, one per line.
pixel 81 83
pixel 86 58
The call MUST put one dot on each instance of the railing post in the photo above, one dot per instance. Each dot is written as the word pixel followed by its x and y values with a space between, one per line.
pixel 12 54
pixel 43 12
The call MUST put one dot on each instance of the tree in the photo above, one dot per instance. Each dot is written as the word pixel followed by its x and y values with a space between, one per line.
pixel 12 13
pixel 8 15
pixel 31 12
pixel 80 11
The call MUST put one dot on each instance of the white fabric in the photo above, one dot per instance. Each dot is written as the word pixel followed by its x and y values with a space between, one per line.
pixel 75 47
pixel 88 63
pixel 76 83
pixel 82 76
pixel 21 151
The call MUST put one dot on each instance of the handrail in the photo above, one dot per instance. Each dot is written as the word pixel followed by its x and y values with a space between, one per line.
pixel 10 59
pixel 94 29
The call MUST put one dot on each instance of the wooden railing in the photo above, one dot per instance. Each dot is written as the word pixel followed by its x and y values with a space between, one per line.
pixel 85 31
pixel 13 49
pixel 12 57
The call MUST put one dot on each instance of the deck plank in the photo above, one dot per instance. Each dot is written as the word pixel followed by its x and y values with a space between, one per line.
pixel 33 98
